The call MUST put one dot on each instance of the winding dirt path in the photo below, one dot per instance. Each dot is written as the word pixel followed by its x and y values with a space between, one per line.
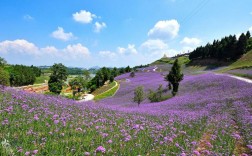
pixel 87 97
pixel 237 77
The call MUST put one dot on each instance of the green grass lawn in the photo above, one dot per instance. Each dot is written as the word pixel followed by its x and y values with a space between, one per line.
pixel 107 93
pixel 41 79
pixel 104 88
pixel 244 62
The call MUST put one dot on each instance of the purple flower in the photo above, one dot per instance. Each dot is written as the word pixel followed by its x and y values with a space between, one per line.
pixel 36 117
pixel 86 154
pixel 56 122
pixel 27 153
pixel 183 154
pixel 197 153
pixel 35 151
pixel 101 149
pixel 249 146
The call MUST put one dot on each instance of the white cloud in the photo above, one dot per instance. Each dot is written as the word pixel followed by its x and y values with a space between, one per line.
pixel 76 51
pixel 28 17
pixel 61 35
pixel 250 29
pixel 187 49
pixel 84 16
pixel 165 29
pixel 191 41
pixel 18 46
pixel 156 49
pixel 99 26
pixel 127 51
pixel 107 54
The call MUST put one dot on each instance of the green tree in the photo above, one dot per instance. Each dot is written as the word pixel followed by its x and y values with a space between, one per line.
pixel 58 76
pixel 77 84
pixel 3 62
pixel 139 95
pixel 86 74
pixel 175 76
pixel 241 45
pixel 127 69
pixel 21 75
pixel 248 35
pixel 4 77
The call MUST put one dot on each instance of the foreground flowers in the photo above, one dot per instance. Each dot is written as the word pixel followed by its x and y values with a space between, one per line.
pixel 206 117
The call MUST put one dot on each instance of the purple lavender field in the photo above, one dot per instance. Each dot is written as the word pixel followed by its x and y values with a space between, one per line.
pixel 211 115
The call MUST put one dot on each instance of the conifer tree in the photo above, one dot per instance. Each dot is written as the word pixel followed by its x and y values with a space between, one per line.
pixel 175 76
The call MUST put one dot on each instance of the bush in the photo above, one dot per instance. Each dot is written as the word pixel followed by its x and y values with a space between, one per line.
pixel 139 95
pixel 132 74
pixel 157 96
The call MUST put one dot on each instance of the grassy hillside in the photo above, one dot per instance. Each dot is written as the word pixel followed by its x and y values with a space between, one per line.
pixel 244 62
pixel 162 61
pixel 182 60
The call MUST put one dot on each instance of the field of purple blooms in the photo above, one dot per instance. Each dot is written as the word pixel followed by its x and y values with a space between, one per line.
pixel 247 72
pixel 211 115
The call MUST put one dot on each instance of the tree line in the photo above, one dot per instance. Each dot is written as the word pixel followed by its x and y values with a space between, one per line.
pixel 106 74
pixel 227 49
pixel 17 75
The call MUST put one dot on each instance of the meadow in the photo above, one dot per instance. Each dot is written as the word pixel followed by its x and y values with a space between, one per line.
pixel 211 115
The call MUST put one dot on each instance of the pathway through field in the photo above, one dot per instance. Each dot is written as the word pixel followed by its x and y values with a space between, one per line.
pixel 237 77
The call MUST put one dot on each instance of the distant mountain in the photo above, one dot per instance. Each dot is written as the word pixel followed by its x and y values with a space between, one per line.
pixel 94 68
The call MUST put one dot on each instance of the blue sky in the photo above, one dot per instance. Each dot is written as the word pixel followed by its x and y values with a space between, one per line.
pixel 86 33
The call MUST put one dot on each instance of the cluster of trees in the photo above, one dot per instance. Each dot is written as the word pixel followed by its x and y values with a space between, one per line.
pixel 106 74
pixel 74 71
pixel 4 75
pixel 83 82
pixel 228 48
pixel 17 75
pixel 21 75
pixel 57 78
pixel 174 77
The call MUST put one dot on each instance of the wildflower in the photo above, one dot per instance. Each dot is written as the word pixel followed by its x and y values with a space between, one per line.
pixel 209 145
pixel 27 153
pixel 20 150
pixel 5 122
pixel 194 143
pixel 56 122
pixel 35 151
pixel 249 146
pixel 110 141
pixel 236 136
pixel 101 149
pixel 135 126
pixel 86 154
pixel 79 129
pixel 36 117
pixel 183 154
pixel 197 153
pixel 55 116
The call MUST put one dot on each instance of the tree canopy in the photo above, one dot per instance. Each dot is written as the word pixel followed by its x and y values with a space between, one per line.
pixel 59 74
pixel 228 48
pixel 175 76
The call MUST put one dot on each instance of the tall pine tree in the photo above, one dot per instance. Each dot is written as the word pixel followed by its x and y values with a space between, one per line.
pixel 175 76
